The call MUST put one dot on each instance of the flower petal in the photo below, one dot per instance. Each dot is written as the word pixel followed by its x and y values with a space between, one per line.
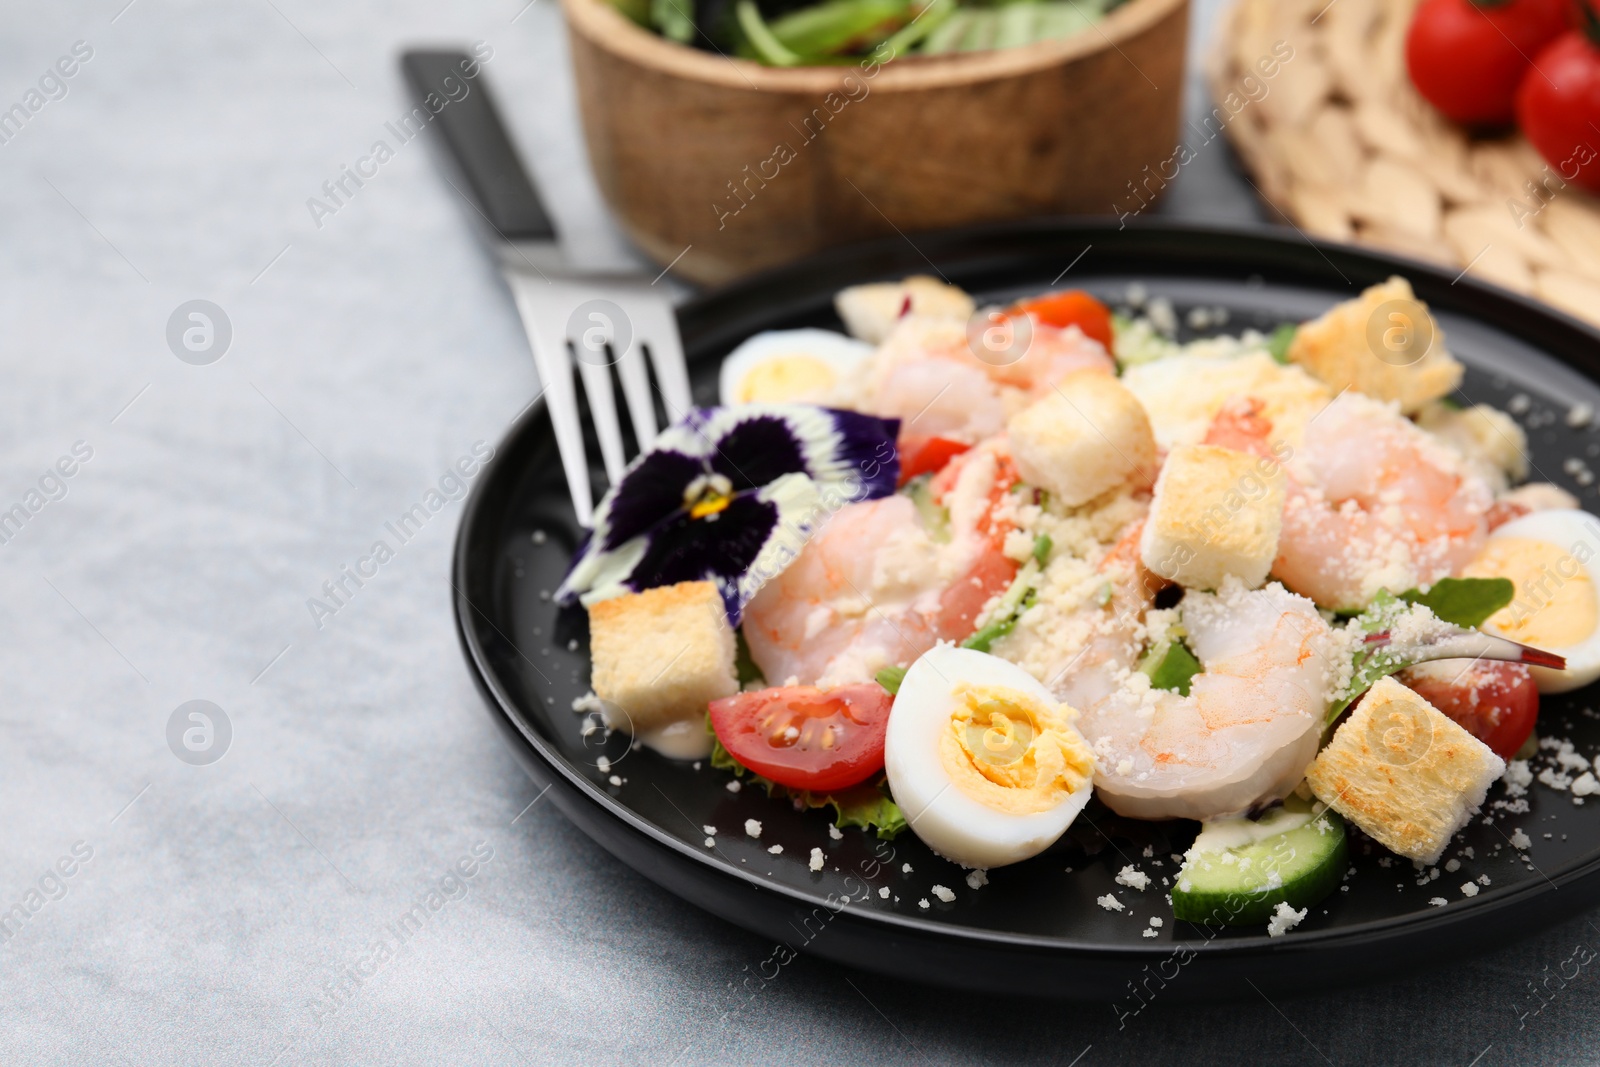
pixel 782 460
pixel 843 450
pixel 651 488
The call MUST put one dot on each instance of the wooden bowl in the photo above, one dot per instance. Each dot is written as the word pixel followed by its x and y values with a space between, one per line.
pixel 748 166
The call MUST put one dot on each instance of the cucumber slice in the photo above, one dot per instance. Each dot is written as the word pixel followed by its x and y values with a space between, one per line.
pixel 1240 870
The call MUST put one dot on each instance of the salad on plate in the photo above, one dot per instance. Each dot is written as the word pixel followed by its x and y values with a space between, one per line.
pixel 961 571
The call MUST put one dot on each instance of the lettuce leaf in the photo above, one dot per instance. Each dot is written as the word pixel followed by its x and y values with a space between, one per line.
pixel 867 805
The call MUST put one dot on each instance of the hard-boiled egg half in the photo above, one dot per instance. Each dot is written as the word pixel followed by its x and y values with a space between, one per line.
pixel 983 761
pixel 788 366
pixel 1553 561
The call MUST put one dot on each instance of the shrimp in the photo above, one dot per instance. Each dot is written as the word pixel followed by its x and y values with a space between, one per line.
pixel 876 586
pixel 1372 502
pixel 946 380
pixel 1249 727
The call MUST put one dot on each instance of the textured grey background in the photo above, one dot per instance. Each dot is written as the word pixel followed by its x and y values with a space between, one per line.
pixel 220 901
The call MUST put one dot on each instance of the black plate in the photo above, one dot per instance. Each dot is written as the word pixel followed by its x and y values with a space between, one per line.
pixel 1035 928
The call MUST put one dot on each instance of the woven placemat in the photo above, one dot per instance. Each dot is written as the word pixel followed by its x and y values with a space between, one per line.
pixel 1339 141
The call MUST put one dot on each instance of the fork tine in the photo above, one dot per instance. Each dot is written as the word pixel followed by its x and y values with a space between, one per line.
pixel 636 387
pixel 555 376
pixel 603 408
pixel 658 326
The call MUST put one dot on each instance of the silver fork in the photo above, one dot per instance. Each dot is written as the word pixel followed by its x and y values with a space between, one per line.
pixel 593 320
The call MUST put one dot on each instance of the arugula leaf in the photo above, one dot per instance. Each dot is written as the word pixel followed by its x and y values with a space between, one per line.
pixel 1278 344
pixel 1372 662
pixel 890 678
pixel 865 805
pixel 1175 670
pixel 1465 602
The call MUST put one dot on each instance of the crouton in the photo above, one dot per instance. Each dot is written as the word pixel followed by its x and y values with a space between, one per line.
pixel 1184 395
pixel 1216 512
pixel 1404 772
pixel 661 655
pixel 1084 437
pixel 870 311
pixel 1383 343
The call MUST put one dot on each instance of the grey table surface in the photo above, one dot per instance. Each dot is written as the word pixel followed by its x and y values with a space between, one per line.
pixel 212 911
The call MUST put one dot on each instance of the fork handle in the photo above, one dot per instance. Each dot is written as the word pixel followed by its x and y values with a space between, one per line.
pixel 497 183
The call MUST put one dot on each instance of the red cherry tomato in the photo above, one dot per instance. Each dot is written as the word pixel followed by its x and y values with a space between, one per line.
pixel 1495 702
pixel 1467 57
pixel 804 737
pixel 1558 105
pixel 926 455
pixel 1072 307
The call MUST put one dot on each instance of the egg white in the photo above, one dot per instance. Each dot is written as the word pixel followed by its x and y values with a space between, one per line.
pixel 939 812
pixel 842 354
pixel 1576 534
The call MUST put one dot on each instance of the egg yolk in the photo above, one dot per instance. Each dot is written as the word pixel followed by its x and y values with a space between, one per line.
pixel 1010 752
pixel 785 378
pixel 1555 604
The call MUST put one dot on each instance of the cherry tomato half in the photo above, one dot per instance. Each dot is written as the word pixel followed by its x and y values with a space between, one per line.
pixel 926 455
pixel 1072 307
pixel 804 737
pixel 1558 105
pixel 1495 702
pixel 1467 57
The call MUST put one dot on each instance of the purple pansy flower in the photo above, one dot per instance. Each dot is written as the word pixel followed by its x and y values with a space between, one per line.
pixel 730 495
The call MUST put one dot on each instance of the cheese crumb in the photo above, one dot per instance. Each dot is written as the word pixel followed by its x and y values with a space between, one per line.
pixel 1520 840
pixel 835 833
pixel 1284 919
pixel 1483 879
pixel 1452 866
pixel 711 831
pixel 1110 903
pixel 615 780
pixel 733 786
pixel 1438 902
pixel 978 879
pixel 711 842
pixel 1147 932
pixel 816 858
pixel 923 903
pixel 1585 785
pixel 905 868
pixel 1133 878
pixel 776 850
pixel 752 827
pixel 944 894
pixel 884 892
pixel 1470 889
pixel 1156 920
pixel 603 763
